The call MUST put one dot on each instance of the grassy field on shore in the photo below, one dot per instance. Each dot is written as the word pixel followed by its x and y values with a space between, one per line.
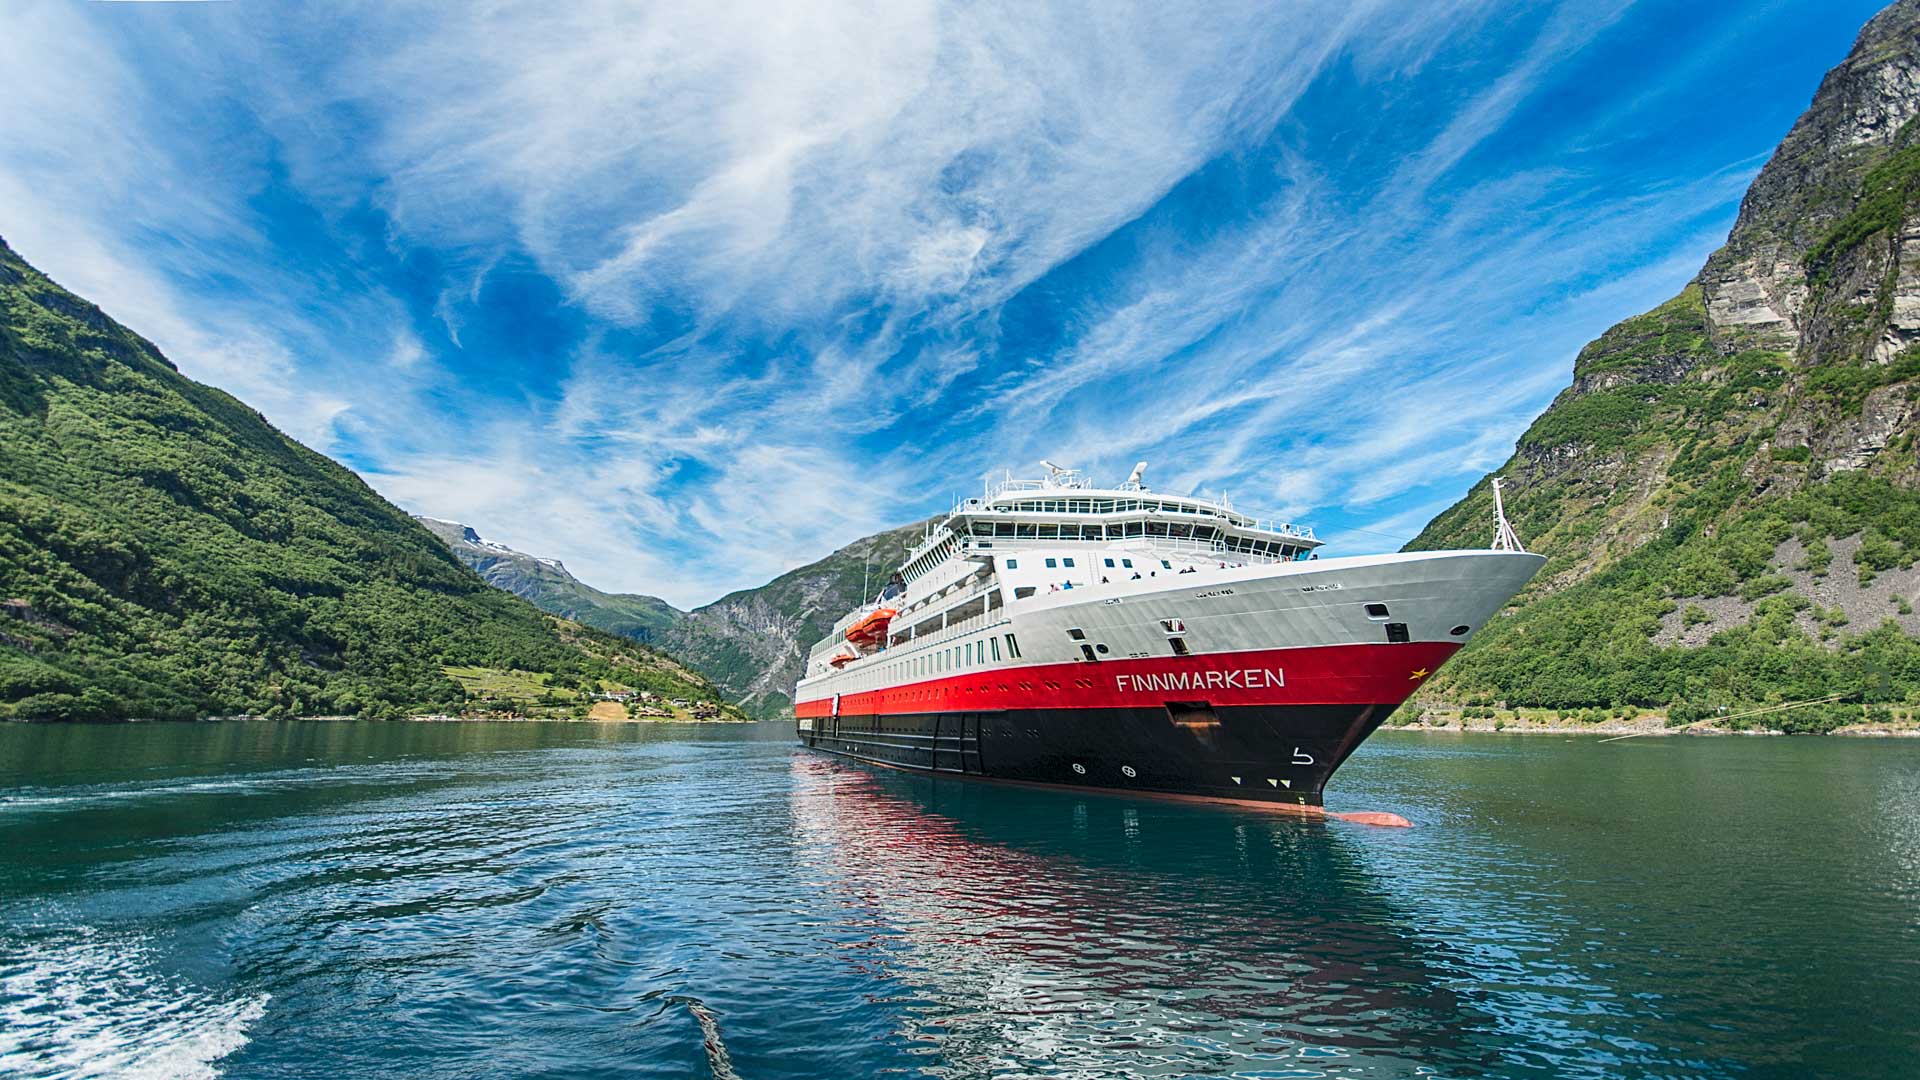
pixel 506 693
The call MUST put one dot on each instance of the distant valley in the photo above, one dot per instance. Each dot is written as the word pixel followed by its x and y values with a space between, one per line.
pixel 751 643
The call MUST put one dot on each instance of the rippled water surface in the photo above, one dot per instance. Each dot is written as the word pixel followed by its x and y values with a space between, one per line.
pixel 518 900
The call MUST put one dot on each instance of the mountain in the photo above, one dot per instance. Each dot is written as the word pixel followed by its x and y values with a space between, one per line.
pixel 547 585
pixel 1727 492
pixel 754 643
pixel 165 552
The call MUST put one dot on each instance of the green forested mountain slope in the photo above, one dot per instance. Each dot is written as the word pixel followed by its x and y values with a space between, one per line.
pixel 164 552
pixel 754 643
pixel 1728 493
pixel 547 585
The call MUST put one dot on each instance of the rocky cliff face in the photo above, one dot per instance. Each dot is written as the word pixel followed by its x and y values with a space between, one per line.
pixel 1728 443
pixel 548 586
pixel 754 643
pixel 1756 288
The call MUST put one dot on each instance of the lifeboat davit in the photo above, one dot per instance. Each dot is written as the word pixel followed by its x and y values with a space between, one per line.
pixel 871 630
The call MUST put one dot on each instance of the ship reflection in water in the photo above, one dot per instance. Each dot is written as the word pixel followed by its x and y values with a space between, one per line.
pixel 1105 937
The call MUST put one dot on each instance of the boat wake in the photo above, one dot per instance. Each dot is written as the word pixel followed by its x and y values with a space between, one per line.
pixel 82 1003
pixel 718 1060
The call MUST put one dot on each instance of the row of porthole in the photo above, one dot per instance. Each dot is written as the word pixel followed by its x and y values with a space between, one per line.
pixel 927 695
pixel 1125 770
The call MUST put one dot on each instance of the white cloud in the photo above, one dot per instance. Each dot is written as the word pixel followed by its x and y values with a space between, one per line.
pixel 832 207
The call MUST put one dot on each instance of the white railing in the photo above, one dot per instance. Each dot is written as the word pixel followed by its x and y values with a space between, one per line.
pixel 1203 513
pixel 1188 546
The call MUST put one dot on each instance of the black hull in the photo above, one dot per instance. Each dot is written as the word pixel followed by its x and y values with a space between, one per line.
pixel 1274 754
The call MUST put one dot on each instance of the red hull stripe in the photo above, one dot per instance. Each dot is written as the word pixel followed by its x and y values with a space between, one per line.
pixel 1324 675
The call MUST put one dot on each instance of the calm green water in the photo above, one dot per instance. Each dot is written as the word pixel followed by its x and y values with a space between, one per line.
pixel 466 900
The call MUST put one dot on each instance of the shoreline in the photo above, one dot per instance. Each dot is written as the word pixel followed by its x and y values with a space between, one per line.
pixel 425 718
pixel 1647 725
pixel 1650 725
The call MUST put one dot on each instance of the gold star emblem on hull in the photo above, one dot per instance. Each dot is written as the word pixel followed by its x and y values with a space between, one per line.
pixel 1421 674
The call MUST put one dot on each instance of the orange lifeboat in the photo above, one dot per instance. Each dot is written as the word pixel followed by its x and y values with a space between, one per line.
pixel 871 630
pixel 842 660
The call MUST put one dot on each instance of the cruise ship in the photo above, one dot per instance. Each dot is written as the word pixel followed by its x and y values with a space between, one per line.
pixel 1061 633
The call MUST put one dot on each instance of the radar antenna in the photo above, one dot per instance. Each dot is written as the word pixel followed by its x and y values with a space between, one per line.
pixel 1504 538
pixel 1133 478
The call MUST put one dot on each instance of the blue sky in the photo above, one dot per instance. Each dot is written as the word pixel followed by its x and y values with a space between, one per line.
pixel 690 294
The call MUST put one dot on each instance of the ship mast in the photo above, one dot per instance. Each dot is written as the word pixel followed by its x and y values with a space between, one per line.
pixel 1504 538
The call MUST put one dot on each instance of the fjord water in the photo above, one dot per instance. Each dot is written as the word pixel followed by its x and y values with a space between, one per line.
pixel 515 900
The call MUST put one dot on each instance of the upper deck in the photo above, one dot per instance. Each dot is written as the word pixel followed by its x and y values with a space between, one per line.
pixel 1066 507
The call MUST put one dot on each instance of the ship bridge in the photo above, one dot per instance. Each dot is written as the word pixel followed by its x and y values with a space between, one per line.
pixel 1066 507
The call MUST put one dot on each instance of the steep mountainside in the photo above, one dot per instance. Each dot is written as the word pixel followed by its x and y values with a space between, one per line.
pixel 1728 491
pixel 164 552
pixel 547 585
pixel 754 643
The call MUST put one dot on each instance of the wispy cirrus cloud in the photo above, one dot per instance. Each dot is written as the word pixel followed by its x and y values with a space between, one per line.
pixel 690 294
